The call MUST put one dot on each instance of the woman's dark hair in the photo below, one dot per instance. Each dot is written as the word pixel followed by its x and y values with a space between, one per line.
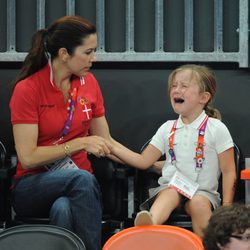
pixel 67 32
pixel 225 221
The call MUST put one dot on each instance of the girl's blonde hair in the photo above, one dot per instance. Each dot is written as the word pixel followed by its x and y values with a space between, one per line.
pixel 207 83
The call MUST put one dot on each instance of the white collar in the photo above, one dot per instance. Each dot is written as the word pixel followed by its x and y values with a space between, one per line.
pixel 195 124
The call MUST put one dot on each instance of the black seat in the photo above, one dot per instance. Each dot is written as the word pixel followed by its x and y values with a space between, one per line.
pixel 7 170
pixel 149 179
pixel 39 237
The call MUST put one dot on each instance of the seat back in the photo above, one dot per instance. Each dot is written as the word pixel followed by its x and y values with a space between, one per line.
pixel 7 170
pixel 240 165
pixel 2 154
pixel 158 237
pixel 39 237
pixel 115 182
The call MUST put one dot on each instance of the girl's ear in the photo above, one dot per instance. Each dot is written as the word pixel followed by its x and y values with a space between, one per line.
pixel 205 97
pixel 63 54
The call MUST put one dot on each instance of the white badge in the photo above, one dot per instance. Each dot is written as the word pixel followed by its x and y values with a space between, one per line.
pixel 183 185
pixel 65 163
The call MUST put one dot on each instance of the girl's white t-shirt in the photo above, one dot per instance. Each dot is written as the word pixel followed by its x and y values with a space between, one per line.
pixel 217 139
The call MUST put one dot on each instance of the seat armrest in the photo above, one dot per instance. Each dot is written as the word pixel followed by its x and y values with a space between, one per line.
pixel 123 172
pixel 106 169
pixel 7 171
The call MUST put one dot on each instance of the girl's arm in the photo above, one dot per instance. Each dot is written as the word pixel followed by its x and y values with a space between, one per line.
pixel 142 161
pixel 119 152
pixel 228 169
pixel 157 166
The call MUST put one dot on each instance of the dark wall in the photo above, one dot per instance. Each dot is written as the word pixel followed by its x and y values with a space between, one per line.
pixel 137 104
pixel 6 76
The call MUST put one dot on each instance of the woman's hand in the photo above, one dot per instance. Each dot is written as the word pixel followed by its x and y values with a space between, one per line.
pixel 97 146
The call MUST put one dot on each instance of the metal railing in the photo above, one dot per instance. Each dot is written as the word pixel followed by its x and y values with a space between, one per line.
pixel 159 54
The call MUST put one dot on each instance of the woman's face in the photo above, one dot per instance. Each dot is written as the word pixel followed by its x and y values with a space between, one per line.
pixel 80 62
pixel 237 243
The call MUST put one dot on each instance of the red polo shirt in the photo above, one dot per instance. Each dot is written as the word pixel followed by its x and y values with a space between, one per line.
pixel 36 101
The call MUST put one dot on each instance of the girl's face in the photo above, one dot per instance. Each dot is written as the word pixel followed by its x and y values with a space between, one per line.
pixel 239 244
pixel 80 62
pixel 185 96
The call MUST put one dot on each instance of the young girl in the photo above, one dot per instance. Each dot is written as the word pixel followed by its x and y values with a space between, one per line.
pixel 198 148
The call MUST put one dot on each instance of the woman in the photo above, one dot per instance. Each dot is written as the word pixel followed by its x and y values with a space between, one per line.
pixel 58 117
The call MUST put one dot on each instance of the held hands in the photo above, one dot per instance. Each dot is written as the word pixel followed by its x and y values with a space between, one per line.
pixel 97 146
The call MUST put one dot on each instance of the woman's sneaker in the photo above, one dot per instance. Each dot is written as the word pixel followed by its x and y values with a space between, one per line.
pixel 143 218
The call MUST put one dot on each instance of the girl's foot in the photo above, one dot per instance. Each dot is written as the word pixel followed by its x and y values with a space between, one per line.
pixel 143 218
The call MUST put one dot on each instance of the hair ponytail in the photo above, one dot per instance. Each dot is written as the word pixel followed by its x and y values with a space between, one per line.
pixel 213 112
pixel 36 58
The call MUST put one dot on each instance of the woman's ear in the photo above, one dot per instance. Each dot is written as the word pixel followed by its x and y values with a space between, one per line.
pixel 63 54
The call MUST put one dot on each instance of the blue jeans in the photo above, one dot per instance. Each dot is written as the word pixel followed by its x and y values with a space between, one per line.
pixel 70 198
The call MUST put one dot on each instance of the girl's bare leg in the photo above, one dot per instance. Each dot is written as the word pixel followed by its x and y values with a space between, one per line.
pixel 166 201
pixel 199 208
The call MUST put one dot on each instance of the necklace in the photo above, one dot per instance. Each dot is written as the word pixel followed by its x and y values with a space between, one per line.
pixel 65 91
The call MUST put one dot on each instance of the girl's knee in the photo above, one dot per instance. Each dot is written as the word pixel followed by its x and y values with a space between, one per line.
pixel 198 205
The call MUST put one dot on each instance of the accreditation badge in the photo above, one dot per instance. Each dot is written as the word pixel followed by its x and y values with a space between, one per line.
pixel 183 185
pixel 65 163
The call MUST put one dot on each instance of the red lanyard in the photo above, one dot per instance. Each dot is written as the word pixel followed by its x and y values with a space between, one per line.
pixel 71 108
pixel 199 154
